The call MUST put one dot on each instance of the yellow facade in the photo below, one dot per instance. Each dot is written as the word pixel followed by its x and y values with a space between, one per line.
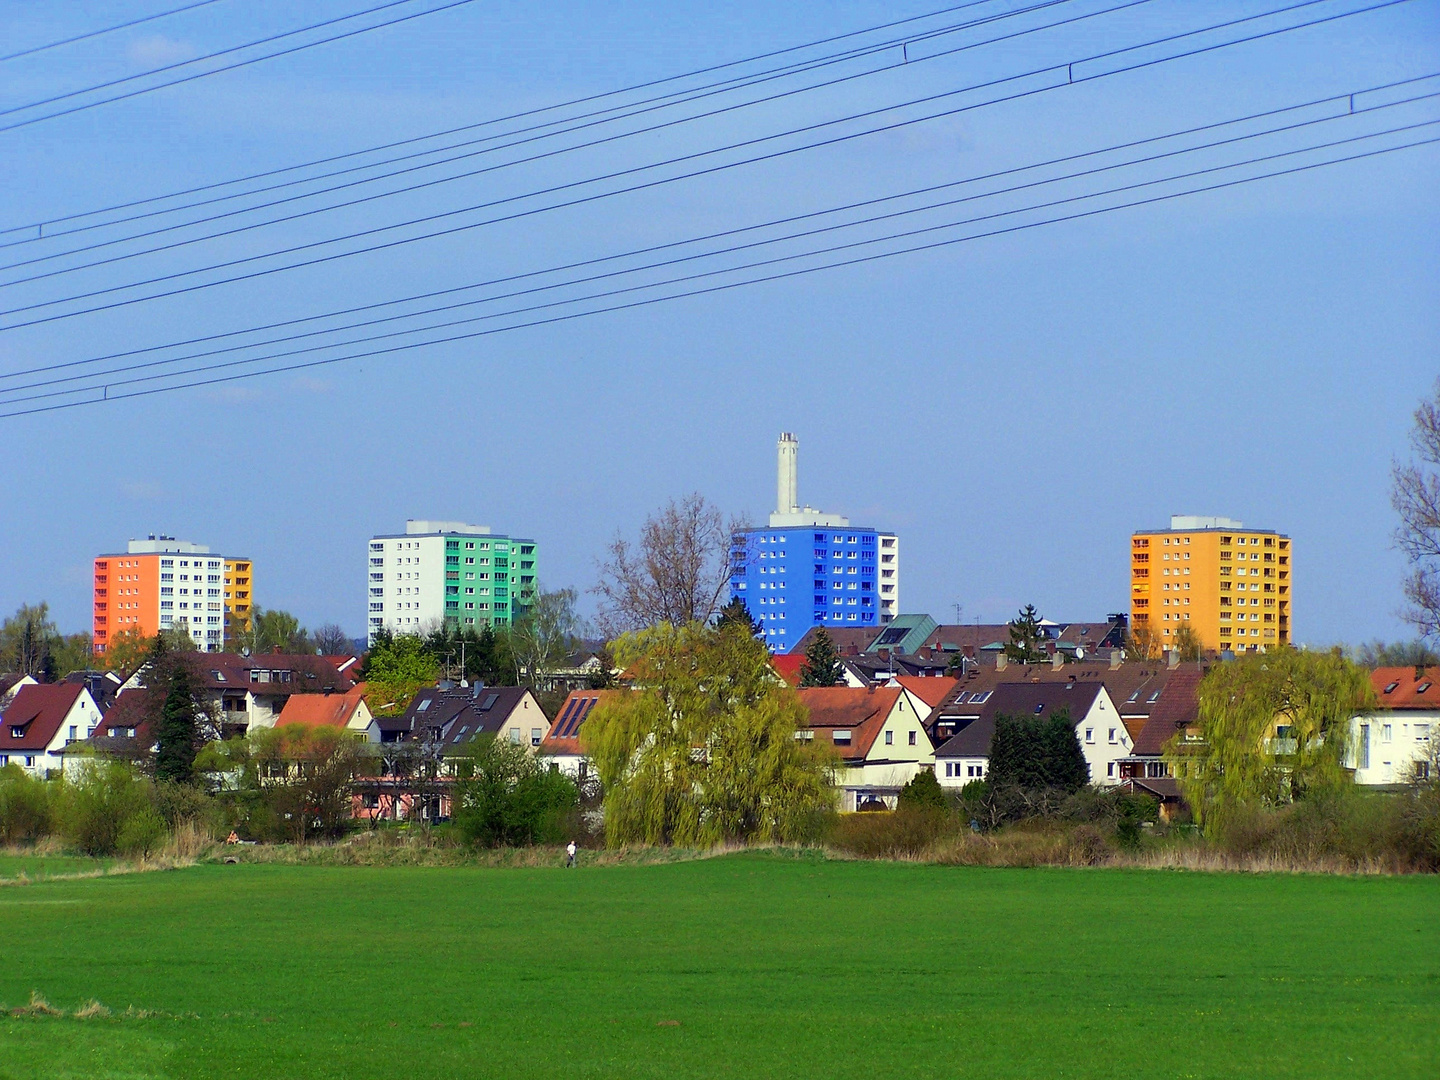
pixel 1230 583
pixel 238 593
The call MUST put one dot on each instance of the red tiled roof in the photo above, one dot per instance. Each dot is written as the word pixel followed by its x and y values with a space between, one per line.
pixel 930 689
pixel 1176 708
pixel 37 712
pixel 127 711
pixel 861 710
pixel 1400 687
pixel 322 710
pixel 787 666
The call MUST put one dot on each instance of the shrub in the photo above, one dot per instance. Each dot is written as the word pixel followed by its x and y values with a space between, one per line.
pixel 902 833
pixel 141 834
pixel 506 797
pixel 25 807
pixel 924 791
pixel 94 809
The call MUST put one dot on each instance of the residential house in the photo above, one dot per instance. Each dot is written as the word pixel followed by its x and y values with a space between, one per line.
pixel 11 684
pixel 252 691
pixel 879 736
pixel 1392 743
pixel 455 715
pixel 561 746
pixel 1102 734
pixel 348 710
pixel 41 721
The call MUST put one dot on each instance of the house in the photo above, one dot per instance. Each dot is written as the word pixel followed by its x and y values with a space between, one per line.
pixel 41 721
pixel 1176 711
pixel 926 693
pixel 348 710
pixel 252 691
pixel 455 715
pixel 561 746
pixel 879 736
pixel 1103 737
pixel 123 734
pixel 1392 744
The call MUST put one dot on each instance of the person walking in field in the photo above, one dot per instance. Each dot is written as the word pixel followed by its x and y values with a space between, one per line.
pixel 570 854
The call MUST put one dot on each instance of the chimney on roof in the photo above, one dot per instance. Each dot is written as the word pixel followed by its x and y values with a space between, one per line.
pixel 968 651
pixel 1419 672
pixel 1058 660
pixel 1000 661
pixel 1115 658
pixel 1172 658
pixel 871 688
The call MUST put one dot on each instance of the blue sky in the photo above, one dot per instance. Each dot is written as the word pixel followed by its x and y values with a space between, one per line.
pixel 1013 406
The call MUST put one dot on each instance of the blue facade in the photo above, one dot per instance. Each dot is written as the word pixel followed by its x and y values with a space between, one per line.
pixel 796 577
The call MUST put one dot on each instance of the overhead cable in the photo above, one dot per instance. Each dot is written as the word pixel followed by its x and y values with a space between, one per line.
pixel 105 30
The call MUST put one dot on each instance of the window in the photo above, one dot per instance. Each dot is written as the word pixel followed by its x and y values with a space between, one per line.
pixel 1113 740
pixel 841 738
pixel 1089 734
pixel 912 738
pixel 535 735
pixel 1110 768
pixel 515 735
pixel 889 738
pixel 1385 732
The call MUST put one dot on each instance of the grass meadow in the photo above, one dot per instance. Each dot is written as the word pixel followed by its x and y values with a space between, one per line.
pixel 748 965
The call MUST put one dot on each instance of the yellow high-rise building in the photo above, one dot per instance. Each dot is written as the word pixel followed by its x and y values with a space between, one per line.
pixel 1230 583
pixel 237 596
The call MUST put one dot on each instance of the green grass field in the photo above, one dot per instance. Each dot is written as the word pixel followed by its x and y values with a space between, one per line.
pixel 745 966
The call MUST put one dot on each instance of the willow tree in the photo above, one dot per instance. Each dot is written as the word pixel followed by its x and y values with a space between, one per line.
pixel 1272 728
pixel 703 749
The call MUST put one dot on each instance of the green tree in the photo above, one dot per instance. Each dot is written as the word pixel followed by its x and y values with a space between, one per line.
pixel 1025 638
pixel 505 797
pixel 703 750
pixel 737 614
pixel 94 808
pixel 306 778
pixel 25 806
pixel 1187 643
pixel 822 665
pixel 396 667
pixel 1038 753
pixel 1396 654
pixel 26 639
pixel 924 792
pixel 1273 728
pixel 177 732
pixel 1415 495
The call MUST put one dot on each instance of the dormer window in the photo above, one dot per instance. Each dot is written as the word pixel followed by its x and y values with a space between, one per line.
pixel 842 738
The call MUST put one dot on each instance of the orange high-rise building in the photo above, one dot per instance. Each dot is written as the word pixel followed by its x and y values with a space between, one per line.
pixel 1231 584
pixel 161 583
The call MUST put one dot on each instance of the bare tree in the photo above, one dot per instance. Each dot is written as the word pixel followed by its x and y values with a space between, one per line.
pixel 1415 494
pixel 545 636
pixel 331 640
pixel 676 574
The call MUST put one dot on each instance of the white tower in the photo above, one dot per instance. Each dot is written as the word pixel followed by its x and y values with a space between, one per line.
pixel 787 499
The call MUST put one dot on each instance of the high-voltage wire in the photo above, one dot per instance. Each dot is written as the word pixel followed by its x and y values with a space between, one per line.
pixel 104 30
pixel 1067 68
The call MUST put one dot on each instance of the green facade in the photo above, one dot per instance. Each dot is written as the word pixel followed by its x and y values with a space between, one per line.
pixel 489 580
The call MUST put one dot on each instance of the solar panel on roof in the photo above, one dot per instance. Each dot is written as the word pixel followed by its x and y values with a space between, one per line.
pixel 489 702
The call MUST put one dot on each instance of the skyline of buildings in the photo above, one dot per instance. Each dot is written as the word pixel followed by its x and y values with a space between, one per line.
pixel 159 583
pixel 809 568
pixel 1229 583
pixel 447 573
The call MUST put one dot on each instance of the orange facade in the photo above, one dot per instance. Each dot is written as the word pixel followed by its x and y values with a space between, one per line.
pixel 1231 585
pixel 127 597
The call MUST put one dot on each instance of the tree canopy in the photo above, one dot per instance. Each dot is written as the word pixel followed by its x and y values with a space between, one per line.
pixel 30 644
pixel 822 665
pixel 504 796
pixel 1273 727
pixel 703 750
pixel 1037 753
pixel 546 635
pixel 1025 638
pixel 1187 643
pixel 1415 495
pixel 396 668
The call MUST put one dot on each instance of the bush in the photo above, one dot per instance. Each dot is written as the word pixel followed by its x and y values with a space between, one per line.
pixel 141 834
pixel 506 797
pixel 25 807
pixel 96 808
pixel 924 791
pixel 891 834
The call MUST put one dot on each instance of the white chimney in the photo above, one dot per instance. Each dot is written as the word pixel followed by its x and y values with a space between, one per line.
pixel 787 494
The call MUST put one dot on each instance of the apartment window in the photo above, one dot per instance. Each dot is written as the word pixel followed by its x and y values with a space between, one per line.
pixel 1386 731
pixel 1089 734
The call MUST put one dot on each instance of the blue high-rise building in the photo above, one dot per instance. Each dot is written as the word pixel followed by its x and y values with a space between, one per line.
pixel 809 569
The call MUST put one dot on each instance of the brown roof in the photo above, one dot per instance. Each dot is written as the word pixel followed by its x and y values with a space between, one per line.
pixel 564 734
pixel 127 711
pixel 231 671
pixel 1019 699
pixel 322 710
pixel 1178 707
pixel 849 640
pixel 1407 687
pixel 37 713
pixel 860 710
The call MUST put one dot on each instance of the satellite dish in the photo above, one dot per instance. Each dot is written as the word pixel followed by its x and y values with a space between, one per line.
pixel 245 651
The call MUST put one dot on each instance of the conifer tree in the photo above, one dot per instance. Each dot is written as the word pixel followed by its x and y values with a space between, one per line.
pixel 822 665
pixel 177 730
pixel 736 614
pixel 1025 647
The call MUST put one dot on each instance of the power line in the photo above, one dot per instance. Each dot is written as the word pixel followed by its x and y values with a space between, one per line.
pixel 226 67
pixel 567 126
pixel 1345 99
pixel 1067 68
pixel 391 350
pixel 505 146
pixel 106 30
pixel 487 123
pixel 111 381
